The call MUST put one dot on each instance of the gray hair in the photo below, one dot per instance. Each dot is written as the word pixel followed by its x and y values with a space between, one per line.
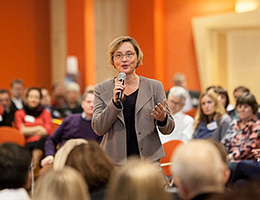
pixel 178 92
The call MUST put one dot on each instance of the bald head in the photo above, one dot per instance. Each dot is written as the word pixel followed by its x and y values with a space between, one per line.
pixel 198 168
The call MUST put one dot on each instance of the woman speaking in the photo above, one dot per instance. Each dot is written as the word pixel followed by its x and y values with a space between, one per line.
pixel 128 121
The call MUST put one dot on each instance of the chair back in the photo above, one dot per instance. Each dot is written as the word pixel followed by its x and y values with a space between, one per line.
pixel 169 148
pixel 10 134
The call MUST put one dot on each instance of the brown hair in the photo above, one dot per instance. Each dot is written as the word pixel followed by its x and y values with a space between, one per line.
pixel 92 162
pixel 249 99
pixel 139 180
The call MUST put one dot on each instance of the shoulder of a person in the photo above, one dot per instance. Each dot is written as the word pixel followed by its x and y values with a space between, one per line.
pixel 105 85
pixel 150 80
pixel 226 117
pixel 20 112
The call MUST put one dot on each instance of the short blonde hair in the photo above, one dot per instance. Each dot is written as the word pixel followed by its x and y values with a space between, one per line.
pixel 116 43
pixel 139 180
pixel 65 184
pixel 62 154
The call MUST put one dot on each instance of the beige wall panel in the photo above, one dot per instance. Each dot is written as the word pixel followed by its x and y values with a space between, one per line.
pixel 110 22
pixel 58 40
pixel 243 61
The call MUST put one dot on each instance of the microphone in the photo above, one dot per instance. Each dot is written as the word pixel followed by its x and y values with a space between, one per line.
pixel 121 78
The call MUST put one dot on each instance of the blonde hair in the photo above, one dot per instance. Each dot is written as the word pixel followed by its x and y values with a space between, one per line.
pixel 116 43
pixel 62 154
pixel 219 110
pixel 63 184
pixel 139 180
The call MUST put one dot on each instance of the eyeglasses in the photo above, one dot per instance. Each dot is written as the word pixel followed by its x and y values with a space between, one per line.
pixel 128 55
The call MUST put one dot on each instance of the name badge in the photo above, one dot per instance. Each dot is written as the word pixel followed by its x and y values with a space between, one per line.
pixel 212 125
pixel 29 118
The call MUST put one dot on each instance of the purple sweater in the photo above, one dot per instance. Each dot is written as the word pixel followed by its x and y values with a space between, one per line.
pixel 74 126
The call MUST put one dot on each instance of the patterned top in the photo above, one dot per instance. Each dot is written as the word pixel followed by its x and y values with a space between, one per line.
pixel 240 142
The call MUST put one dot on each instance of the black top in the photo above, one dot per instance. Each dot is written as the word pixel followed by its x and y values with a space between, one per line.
pixel 129 116
pixel 8 117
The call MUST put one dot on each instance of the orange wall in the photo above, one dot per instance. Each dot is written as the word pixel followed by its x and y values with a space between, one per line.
pixel 179 54
pixel 25 43
pixel 80 38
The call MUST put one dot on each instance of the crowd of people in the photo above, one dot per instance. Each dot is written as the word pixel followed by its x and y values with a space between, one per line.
pixel 110 140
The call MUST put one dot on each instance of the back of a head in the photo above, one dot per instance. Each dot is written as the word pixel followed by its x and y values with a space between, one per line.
pixel 179 79
pixel 139 180
pixel 199 166
pixel 92 162
pixel 63 184
pixel 62 154
pixel 15 164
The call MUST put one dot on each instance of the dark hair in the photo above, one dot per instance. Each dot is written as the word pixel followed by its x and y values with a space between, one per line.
pixel 220 90
pixel 16 81
pixel 33 88
pixel 3 91
pixel 15 164
pixel 92 162
pixel 248 98
pixel 241 88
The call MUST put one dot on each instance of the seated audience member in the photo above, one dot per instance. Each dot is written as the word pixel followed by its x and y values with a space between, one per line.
pixel 62 154
pixel 198 170
pixel 46 99
pixel 139 180
pixel 63 184
pixel 58 99
pixel 243 134
pixel 222 96
pixel 95 166
pixel 9 109
pixel 237 92
pixel 74 126
pixel 211 119
pixel 34 121
pixel 17 88
pixel 73 99
pixel 72 104
pixel 15 162
pixel 183 123
pixel 192 99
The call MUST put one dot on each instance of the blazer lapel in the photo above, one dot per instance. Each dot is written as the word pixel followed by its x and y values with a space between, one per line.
pixel 144 94
pixel 107 97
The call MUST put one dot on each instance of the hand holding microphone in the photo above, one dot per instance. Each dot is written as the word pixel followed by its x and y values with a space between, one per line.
pixel 119 87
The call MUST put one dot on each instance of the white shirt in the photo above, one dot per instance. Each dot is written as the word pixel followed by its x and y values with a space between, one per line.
pixel 183 128
pixel 18 103
pixel 14 194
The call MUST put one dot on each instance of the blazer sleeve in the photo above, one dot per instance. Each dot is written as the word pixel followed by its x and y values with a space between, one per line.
pixel 105 112
pixel 160 96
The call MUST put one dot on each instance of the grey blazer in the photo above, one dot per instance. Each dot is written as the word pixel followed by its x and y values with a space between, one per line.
pixel 108 120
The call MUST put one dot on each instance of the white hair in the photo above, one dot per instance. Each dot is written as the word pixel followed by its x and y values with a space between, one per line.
pixel 199 166
pixel 179 92
pixel 72 86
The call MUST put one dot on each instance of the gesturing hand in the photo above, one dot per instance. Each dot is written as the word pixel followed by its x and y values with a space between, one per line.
pixel 159 111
